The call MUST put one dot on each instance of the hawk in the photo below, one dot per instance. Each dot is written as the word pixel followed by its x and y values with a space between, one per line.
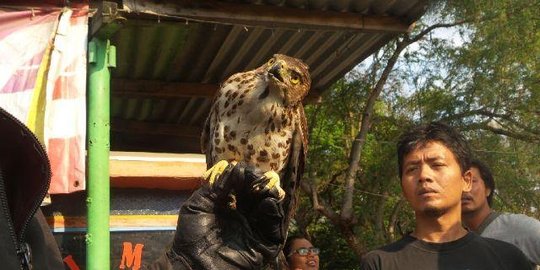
pixel 255 117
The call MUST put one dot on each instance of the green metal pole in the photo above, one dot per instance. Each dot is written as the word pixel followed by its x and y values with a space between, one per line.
pixel 101 56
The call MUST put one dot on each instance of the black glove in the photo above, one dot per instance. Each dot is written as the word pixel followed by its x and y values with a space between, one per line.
pixel 212 235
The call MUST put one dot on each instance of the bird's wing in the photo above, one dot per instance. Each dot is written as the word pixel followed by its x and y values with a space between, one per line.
pixel 303 128
pixel 206 137
pixel 291 175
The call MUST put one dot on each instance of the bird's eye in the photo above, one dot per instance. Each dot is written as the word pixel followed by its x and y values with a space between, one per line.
pixel 295 79
pixel 272 61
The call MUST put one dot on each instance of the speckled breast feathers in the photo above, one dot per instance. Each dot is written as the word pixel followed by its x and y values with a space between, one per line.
pixel 255 113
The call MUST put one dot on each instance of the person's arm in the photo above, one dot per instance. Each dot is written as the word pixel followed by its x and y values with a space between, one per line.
pixel 210 235
pixel 529 239
pixel 518 229
pixel 370 261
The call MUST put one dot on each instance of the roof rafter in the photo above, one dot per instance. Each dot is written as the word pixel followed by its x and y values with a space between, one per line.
pixel 266 15
pixel 161 89
pixel 139 127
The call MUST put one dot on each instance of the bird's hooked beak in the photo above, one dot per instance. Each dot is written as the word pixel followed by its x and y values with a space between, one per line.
pixel 276 70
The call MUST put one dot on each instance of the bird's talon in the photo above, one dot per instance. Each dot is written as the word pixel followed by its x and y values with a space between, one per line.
pixel 273 179
pixel 271 182
pixel 213 173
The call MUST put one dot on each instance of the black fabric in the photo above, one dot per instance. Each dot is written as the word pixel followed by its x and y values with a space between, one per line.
pixel 212 235
pixel 24 182
pixel 44 249
pixel 469 252
pixel 8 249
pixel 26 169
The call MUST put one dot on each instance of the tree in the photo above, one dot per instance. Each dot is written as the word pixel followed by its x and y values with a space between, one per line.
pixel 351 182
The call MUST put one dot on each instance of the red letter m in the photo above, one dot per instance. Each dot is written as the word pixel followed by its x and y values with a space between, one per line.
pixel 131 257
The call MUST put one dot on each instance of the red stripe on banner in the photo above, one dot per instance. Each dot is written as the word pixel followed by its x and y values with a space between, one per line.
pixel 66 86
pixel 66 166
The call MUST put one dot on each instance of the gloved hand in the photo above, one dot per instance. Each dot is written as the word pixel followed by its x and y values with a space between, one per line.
pixel 212 235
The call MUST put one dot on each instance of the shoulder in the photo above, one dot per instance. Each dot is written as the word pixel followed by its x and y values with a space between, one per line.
pixel 376 258
pixel 518 224
pixel 517 229
pixel 496 244
pixel 519 219
pixel 505 252
pixel 371 260
pixel 393 247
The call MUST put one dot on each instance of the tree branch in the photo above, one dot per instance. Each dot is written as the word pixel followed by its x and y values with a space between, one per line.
pixel 319 204
pixel 524 132
pixel 379 216
pixel 461 115
pixel 359 141
pixel 520 136
pixel 433 27
pixel 345 228
pixel 485 126
pixel 393 219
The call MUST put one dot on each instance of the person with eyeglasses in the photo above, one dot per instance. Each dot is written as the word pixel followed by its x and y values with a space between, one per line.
pixel 301 255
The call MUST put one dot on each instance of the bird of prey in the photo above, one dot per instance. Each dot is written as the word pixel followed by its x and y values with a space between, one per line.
pixel 254 117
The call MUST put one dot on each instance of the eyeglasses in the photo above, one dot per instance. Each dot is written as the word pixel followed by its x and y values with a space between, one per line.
pixel 304 251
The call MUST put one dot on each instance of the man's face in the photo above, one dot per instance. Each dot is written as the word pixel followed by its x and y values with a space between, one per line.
pixel 432 181
pixel 303 262
pixel 476 198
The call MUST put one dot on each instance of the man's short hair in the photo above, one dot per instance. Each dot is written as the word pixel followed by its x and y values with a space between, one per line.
pixel 486 175
pixel 434 132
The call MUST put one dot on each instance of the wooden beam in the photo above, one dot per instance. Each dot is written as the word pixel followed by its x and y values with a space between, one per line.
pixel 156 170
pixel 154 143
pixel 130 126
pixel 265 15
pixel 106 21
pixel 116 221
pixel 160 89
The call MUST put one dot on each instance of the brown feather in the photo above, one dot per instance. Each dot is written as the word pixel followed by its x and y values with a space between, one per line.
pixel 257 116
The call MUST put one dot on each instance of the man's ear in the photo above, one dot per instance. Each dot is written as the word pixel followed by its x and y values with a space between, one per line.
pixel 488 192
pixel 467 181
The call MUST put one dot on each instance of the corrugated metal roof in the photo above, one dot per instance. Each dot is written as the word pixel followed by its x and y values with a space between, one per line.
pixel 172 52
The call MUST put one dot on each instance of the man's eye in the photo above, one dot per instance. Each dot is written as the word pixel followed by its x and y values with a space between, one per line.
pixel 411 169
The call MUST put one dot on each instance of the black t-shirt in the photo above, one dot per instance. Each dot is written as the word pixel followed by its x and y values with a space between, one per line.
pixel 470 252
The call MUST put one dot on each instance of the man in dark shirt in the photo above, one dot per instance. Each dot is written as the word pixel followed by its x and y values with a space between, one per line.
pixel 433 166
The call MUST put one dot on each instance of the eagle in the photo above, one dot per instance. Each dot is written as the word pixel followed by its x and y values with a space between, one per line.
pixel 257 117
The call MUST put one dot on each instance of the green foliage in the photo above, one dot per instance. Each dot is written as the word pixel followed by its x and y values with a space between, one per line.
pixel 335 253
pixel 515 169
pixel 485 83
